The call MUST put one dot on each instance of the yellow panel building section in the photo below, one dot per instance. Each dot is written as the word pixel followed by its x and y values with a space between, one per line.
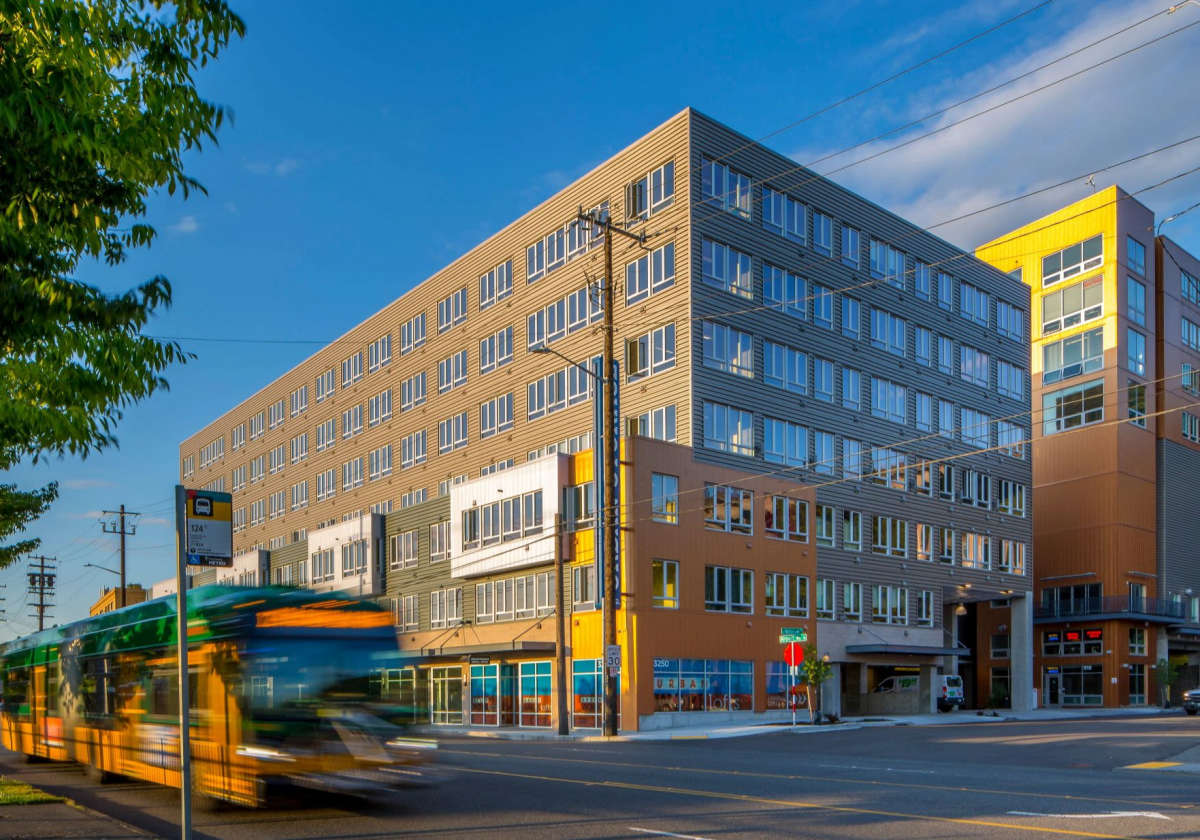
pixel 1023 249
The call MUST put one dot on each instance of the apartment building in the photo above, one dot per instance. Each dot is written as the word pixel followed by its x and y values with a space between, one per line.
pixel 772 321
pixel 1116 446
pixel 110 598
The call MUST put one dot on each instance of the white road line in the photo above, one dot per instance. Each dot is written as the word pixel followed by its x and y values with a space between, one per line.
pixel 666 833
pixel 1154 815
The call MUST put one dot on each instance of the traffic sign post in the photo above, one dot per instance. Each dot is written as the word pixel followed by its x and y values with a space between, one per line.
pixel 792 634
pixel 203 537
pixel 793 655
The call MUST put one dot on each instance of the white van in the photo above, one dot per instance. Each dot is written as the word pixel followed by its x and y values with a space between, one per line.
pixel 950 692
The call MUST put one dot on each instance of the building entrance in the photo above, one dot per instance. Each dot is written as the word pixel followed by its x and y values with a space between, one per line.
pixel 1051 689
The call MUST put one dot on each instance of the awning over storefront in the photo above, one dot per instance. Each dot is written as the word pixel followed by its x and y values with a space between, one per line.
pixel 497 648
pixel 881 648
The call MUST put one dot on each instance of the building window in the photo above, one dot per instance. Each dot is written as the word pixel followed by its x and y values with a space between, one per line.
pixel 380 462
pixel 851 317
pixel 445 607
pixel 973 366
pixel 944 540
pixel 496 415
pixel 664 582
pixel 1136 399
pixel 999 646
pixel 784 215
pixel 825 604
pixel 973 304
pixel 822 306
pixel 887 263
pixel 1010 380
pixel 784 367
pixel 352 474
pixel 975 428
pixel 825 526
pixel 352 369
pixel 452 310
pixel 413 449
pixel 583 588
pixel 1010 321
pixel 823 458
pixel 664 503
pixel 851 389
pixel 1137 684
pixel 658 423
pixel 403 550
pixel 945 354
pixel 379 353
pixel 922 282
pixel 496 350
pixel 1012 557
pixel 1011 497
pixel 256 424
pixel 495 285
pixel 945 291
pixel 924 542
pixel 726 349
pixel 379 408
pixel 785 595
pixel 1189 287
pixel 1010 439
pixel 326 484
pixel 1135 301
pixel 652 353
pixel 887 332
pixel 352 421
pixel 976 551
pixel 728 509
pixel 728 429
pixel 851 246
pixel 889 536
pixel 652 273
pixel 787 519
pixel 1136 355
pixel 852 601
pixel 728 590
pixel 1075 304
pixel 1137 641
pixel 889 400
pixel 1190 426
pixel 1135 255
pixel 725 188
pixel 1189 335
pixel 851 530
pixel 452 372
pixel 923 346
pixel 889 604
pixel 726 268
pixel 237 436
pixel 653 192
pixel 976 489
pixel 784 442
pixel 822 234
pixel 412 333
pixel 784 292
pixel 1073 356
pixel 823 379
pixel 1080 405
pixel 1080 257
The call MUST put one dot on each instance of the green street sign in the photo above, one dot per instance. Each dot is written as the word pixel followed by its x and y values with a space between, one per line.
pixel 787 635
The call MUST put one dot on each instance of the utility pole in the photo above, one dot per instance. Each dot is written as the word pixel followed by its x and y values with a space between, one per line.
pixel 118 527
pixel 560 632
pixel 41 584
pixel 611 452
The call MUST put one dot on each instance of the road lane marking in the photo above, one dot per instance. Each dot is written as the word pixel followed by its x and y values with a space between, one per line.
pixel 1154 815
pixel 1152 765
pixel 666 833
pixel 791 803
pixel 796 777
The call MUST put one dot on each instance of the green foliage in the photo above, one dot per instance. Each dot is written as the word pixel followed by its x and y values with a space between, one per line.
pixel 97 106
pixel 13 792
pixel 814 670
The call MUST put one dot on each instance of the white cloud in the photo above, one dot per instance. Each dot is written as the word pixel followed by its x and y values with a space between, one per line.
pixel 281 168
pixel 86 483
pixel 91 514
pixel 286 167
pixel 153 520
pixel 187 224
pixel 1130 106
pixel 231 208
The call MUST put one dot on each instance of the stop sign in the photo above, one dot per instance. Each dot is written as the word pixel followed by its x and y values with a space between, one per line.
pixel 793 653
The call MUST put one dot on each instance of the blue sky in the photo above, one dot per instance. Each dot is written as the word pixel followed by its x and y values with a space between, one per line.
pixel 372 143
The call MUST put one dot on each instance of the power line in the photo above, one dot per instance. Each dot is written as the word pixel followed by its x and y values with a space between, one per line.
pixel 816 177
pixel 876 85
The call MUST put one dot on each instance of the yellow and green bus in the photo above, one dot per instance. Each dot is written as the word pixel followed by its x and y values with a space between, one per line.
pixel 284 685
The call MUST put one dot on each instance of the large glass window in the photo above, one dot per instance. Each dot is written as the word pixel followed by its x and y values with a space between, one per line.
pixel 1075 304
pixel 1135 301
pixel 664 578
pixel 1064 264
pixel 535 694
pixel 697 685
pixel 664 491
pixel 1073 356
pixel 725 348
pixel 728 429
pixel 1081 405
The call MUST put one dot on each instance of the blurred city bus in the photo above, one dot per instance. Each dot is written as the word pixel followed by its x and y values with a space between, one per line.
pixel 284 685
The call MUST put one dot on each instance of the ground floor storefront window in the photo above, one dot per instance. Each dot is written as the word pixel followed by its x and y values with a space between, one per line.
pixel 780 683
pixel 536 698
pixel 445 694
pixel 1137 685
pixel 1082 685
pixel 696 685
pixel 999 688
pixel 587 693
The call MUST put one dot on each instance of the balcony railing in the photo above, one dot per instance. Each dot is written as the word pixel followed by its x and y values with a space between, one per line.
pixel 1114 604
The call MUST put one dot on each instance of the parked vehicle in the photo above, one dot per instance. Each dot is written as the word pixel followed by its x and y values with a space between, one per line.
pixel 1191 701
pixel 950 693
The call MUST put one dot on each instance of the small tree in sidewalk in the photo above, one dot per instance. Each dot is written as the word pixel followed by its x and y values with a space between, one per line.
pixel 813 672
pixel 1167 675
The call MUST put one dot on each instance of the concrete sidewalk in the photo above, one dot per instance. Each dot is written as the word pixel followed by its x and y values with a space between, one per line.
pixel 727 730
pixel 61 820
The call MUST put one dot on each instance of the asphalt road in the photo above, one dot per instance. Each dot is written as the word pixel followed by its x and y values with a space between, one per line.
pixel 982 780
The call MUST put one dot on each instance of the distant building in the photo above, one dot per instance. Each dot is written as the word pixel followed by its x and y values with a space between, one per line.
pixel 774 323
pixel 1116 447
pixel 110 598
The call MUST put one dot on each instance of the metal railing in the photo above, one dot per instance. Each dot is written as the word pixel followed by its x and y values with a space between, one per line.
pixel 1110 604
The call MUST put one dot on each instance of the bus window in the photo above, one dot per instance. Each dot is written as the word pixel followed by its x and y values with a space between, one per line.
pixel 16 691
pixel 52 689
pixel 98 687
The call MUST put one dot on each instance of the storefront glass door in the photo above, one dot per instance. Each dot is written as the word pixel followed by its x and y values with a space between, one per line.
pixel 536 699
pixel 445 694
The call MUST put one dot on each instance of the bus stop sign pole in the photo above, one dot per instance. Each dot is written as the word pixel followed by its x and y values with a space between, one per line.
pixel 185 750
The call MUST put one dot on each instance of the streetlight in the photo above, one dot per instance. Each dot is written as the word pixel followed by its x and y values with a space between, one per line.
pixel 597 472
pixel 104 568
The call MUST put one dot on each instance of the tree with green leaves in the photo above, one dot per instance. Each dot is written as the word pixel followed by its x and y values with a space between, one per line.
pixel 814 671
pixel 1167 673
pixel 98 105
